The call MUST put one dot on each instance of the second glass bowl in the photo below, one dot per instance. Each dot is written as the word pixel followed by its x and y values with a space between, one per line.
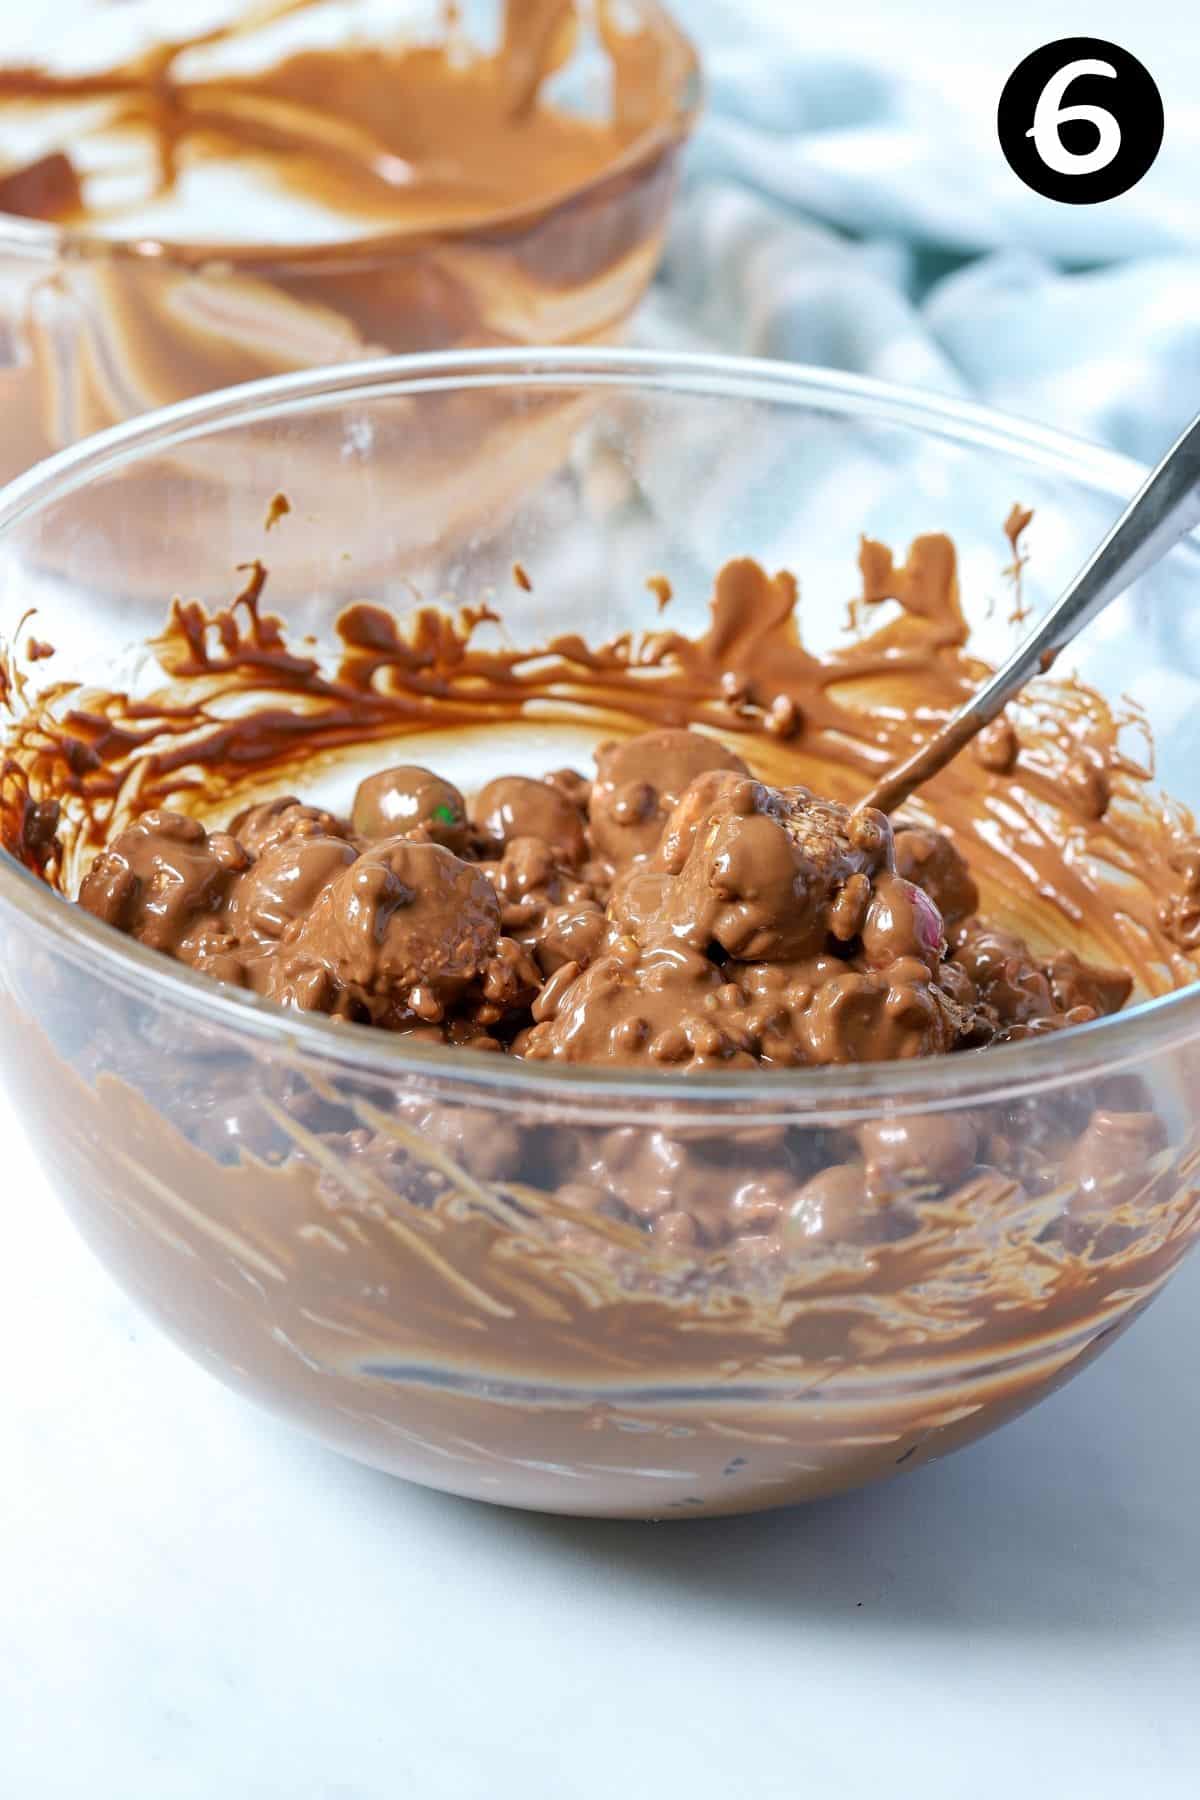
pixel 96 327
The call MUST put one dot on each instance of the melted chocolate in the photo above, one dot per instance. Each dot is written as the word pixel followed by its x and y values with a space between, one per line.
pixel 1086 857
pixel 739 913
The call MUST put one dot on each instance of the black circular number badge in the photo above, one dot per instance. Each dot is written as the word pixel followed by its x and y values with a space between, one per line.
pixel 1080 120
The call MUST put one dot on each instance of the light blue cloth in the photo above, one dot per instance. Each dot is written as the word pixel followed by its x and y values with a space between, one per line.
pixel 837 213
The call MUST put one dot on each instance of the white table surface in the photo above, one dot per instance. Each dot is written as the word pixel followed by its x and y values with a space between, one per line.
pixel 198 1604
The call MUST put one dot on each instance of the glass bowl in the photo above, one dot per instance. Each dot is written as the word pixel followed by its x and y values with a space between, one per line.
pixel 376 1238
pixel 96 328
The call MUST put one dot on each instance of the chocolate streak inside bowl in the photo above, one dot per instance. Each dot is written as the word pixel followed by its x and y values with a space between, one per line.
pixel 661 1306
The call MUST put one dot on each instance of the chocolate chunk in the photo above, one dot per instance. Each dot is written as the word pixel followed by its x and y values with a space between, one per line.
pixel 639 781
pixel 513 806
pixel 413 803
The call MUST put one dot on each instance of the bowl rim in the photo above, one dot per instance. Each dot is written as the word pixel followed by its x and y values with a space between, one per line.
pixel 43 240
pixel 1009 1071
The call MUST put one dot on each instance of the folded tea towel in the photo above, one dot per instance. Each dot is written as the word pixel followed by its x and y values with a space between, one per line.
pixel 845 211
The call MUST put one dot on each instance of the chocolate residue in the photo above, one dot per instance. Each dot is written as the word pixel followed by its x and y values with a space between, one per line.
pixel 394 136
pixel 244 712
pixel 1015 526
pixel 48 188
pixel 277 509
pixel 492 1296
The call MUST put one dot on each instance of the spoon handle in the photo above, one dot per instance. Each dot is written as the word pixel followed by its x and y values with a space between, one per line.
pixel 1165 508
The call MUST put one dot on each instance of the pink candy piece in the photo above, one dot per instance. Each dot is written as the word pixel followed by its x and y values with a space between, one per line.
pixel 928 919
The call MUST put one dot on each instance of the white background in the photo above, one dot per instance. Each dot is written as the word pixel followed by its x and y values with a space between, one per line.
pixel 195 1602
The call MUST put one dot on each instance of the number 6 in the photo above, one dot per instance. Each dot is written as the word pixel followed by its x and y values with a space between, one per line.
pixel 1050 114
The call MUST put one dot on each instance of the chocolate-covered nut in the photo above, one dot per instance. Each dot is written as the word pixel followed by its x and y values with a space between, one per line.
pixel 514 806
pixel 901 920
pixel 638 782
pixel 760 1203
pixel 1005 975
pixel 928 1149
pixel 283 884
pixel 648 1171
pixel 932 861
pixel 833 1208
pixel 573 786
pixel 487 1146
pixel 1074 983
pixel 619 1007
pixel 758 871
pixel 276 821
pixel 568 933
pixel 403 915
pixel 879 1016
pixel 1111 1160
pixel 674 1231
pixel 157 878
pixel 411 802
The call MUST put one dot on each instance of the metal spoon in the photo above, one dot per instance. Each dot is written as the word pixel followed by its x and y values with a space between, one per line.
pixel 1163 510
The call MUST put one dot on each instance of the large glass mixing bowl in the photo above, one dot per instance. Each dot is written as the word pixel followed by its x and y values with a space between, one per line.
pixel 376 1238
